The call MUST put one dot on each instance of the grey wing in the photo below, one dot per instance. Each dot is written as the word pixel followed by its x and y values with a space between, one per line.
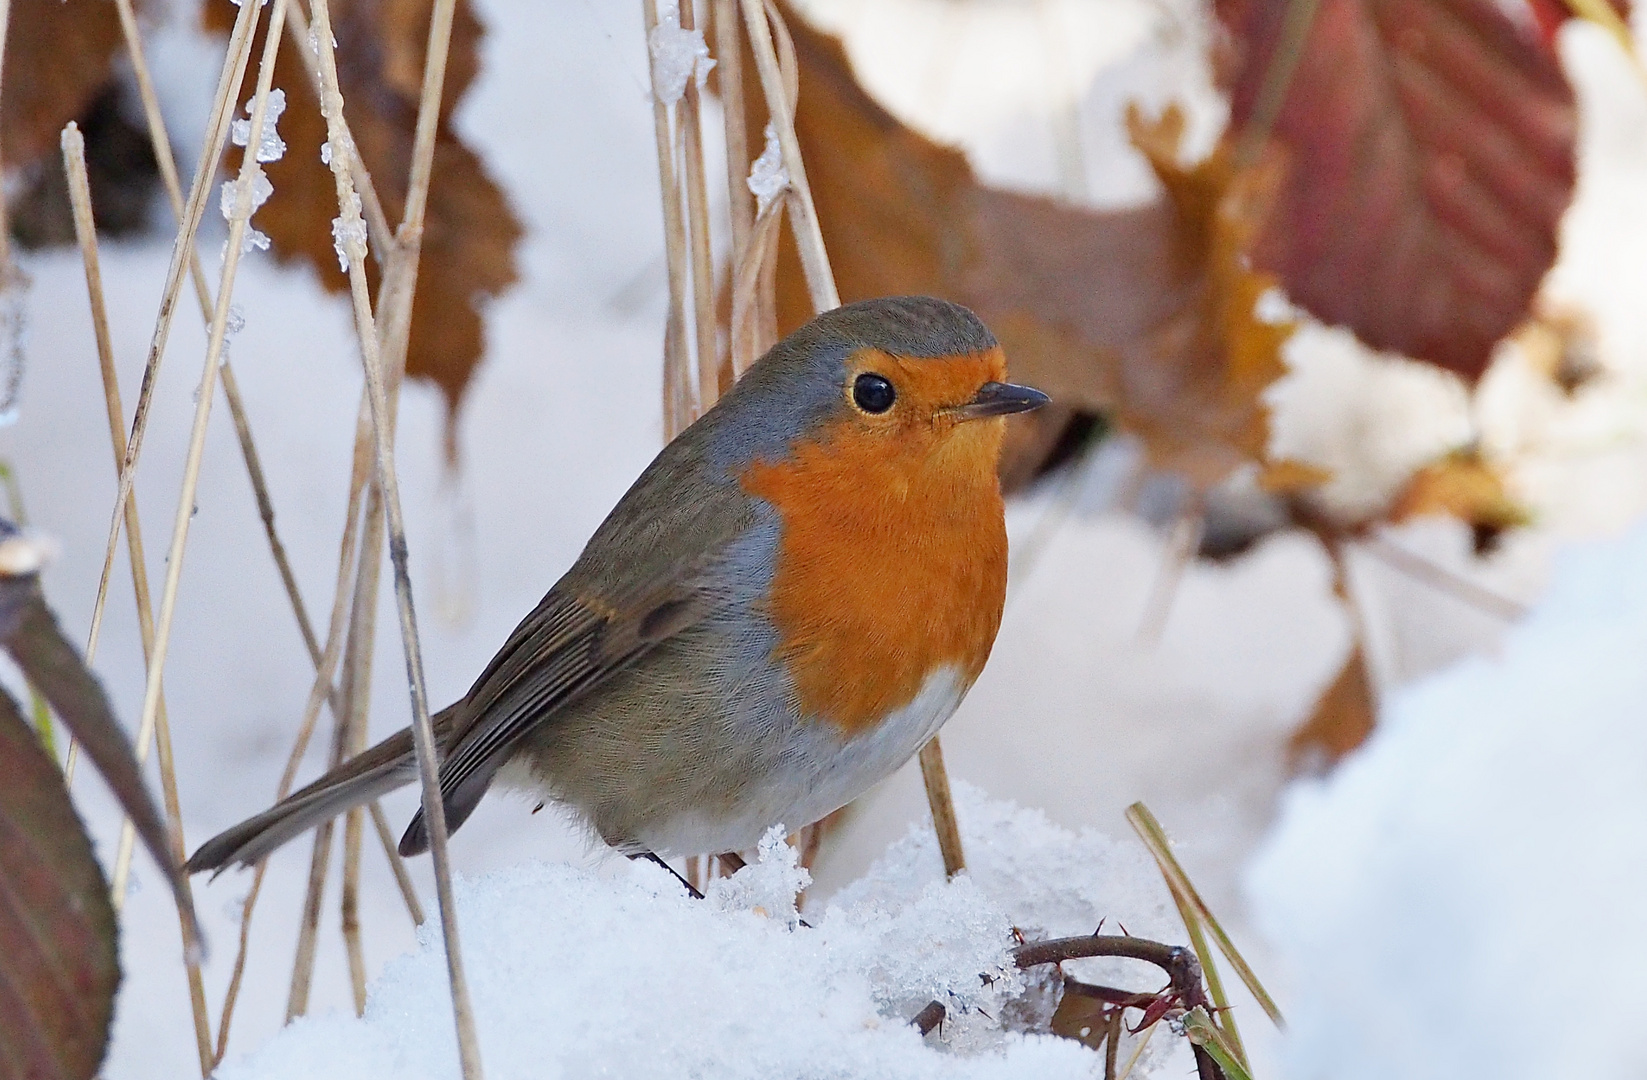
pixel 646 576
pixel 562 650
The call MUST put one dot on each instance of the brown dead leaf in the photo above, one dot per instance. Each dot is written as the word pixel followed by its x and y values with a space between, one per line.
pixel 1144 314
pixel 1341 721
pixel 1429 157
pixel 58 57
pixel 470 231
pixel 1562 343
pixel 1465 486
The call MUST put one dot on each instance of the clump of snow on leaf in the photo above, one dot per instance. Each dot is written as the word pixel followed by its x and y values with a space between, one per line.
pixel 583 973
pixel 677 55
pixel 1482 859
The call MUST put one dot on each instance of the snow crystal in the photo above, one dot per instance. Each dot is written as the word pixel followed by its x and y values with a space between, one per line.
pixel 769 886
pixel 349 233
pixel 579 973
pixel 270 146
pixel 767 176
pixel 228 195
pixel 677 55
pixel 1481 860
pixel 326 153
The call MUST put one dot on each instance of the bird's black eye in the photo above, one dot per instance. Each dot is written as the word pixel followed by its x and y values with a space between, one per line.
pixel 873 393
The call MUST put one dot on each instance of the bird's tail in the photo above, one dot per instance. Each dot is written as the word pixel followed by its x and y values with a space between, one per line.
pixel 387 766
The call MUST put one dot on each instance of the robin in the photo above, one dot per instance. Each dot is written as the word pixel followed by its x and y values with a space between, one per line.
pixel 789 602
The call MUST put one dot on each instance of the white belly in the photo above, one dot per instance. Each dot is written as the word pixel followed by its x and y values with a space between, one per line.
pixel 820 771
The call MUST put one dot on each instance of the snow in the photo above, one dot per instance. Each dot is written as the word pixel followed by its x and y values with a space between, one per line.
pixel 616 971
pixel 349 232
pixel 677 56
pixel 271 146
pixel 767 176
pixel 1074 715
pixel 1482 859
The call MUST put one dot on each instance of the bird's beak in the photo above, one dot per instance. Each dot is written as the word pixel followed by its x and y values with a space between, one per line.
pixel 1000 399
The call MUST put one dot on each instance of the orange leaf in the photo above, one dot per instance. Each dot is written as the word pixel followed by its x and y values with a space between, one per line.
pixel 1342 719
pixel 470 231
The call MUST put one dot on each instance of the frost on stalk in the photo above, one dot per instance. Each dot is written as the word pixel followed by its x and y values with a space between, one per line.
pixel 677 55
pixel 14 288
pixel 261 190
pixel 270 147
pixel 349 233
pixel 767 176
pixel 769 885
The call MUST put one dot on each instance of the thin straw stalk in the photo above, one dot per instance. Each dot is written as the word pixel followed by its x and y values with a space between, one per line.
pixel 388 484
pixel 697 212
pixel 680 405
pixel 217 132
pixel 820 279
pixel 1155 839
pixel 319 691
pixel 74 163
pixel 239 217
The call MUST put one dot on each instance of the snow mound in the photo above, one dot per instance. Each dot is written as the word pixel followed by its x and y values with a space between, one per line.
pixel 618 973
pixel 1480 862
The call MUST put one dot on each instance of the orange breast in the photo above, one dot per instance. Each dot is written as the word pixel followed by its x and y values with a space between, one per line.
pixel 891 562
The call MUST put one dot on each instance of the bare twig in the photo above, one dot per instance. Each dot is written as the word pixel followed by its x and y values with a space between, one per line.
pixel 1155 839
pixel 74 162
pixel 1209 967
pixel 936 779
pixel 411 233
pixel 303 962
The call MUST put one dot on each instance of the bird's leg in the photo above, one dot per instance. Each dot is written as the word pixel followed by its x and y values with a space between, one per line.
pixel 651 856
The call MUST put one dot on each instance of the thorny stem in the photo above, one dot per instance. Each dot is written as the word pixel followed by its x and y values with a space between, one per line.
pixel 388 484
pixel 74 161
pixel 1183 971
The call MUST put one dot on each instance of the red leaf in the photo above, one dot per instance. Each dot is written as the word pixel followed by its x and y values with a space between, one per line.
pixel 58 962
pixel 1430 157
